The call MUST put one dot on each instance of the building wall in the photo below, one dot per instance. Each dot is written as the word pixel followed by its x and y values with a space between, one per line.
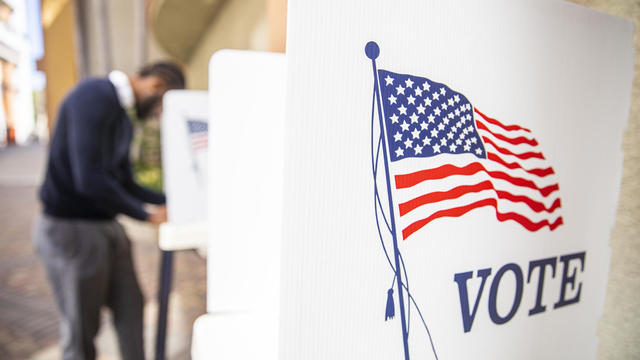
pixel 23 101
pixel 277 14
pixel 94 59
pixel 76 44
pixel 126 18
pixel 59 61
pixel 110 36
pixel 17 117
pixel 240 24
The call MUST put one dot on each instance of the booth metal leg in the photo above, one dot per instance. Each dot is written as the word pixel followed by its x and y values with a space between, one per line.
pixel 163 303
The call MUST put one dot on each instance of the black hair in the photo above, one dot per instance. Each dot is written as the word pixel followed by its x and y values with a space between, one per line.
pixel 168 71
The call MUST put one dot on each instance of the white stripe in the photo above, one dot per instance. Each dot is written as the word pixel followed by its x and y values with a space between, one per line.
pixel 498 130
pixel 518 149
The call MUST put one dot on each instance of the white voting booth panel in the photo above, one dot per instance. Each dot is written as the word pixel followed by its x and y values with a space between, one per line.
pixel 247 91
pixel 233 336
pixel 184 160
pixel 450 192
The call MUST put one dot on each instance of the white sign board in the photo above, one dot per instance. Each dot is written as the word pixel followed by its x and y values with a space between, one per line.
pixel 184 155
pixel 449 193
pixel 247 102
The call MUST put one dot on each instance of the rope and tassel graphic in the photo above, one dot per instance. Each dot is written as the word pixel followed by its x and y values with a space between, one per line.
pixel 395 260
pixel 391 311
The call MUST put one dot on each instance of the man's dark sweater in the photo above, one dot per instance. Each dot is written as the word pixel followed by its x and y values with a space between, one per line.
pixel 88 173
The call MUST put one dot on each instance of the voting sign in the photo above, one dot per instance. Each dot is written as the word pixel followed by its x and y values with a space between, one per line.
pixel 451 178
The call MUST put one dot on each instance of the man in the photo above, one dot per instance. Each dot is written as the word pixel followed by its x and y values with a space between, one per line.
pixel 88 182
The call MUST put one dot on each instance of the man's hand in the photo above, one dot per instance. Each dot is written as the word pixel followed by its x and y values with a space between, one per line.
pixel 158 215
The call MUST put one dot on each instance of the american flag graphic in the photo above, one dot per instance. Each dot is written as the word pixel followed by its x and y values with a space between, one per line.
pixel 447 158
pixel 198 134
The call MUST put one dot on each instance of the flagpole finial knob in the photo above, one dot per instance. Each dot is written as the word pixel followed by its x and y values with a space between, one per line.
pixel 372 50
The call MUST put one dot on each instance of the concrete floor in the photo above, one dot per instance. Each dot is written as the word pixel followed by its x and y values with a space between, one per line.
pixel 28 317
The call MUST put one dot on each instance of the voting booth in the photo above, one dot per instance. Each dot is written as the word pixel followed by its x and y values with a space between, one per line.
pixel 439 182
pixel 185 133
pixel 247 100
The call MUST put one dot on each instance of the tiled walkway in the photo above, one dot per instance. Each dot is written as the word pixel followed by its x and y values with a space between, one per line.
pixel 28 317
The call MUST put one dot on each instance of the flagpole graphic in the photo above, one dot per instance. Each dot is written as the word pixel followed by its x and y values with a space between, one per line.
pixel 372 51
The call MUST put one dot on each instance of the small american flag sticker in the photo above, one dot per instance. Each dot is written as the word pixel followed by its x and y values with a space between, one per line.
pixel 198 134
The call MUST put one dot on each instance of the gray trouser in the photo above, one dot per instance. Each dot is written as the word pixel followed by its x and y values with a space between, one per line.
pixel 89 265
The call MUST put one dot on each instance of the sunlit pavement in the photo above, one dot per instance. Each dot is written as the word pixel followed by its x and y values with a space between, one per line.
pixel 28 317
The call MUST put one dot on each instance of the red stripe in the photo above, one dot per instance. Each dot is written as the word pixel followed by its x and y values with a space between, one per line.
pixel 408 180
pixel 457 192
pixel 200 144
pixel 433 197
pixel 497 123
pixel 515 165
pixel 513 141
pixel 523 156
pixel 459 211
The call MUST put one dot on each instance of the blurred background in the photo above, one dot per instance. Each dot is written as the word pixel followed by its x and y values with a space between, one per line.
pixel 47 46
